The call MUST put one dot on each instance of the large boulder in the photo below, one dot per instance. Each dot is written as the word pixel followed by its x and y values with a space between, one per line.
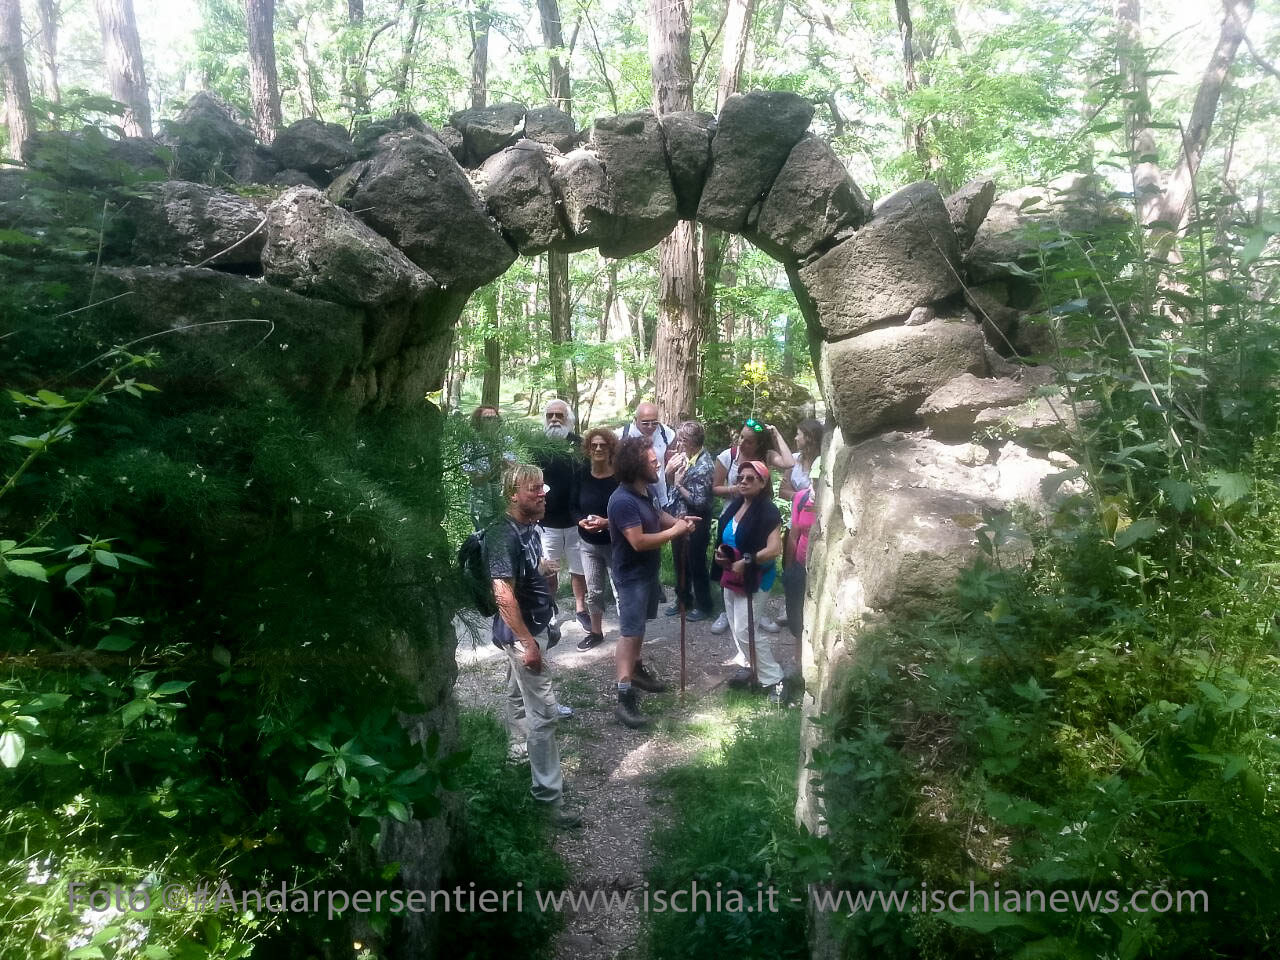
pixel 582 189
pixel 319 250
pixel 643 202
pixel 211 141
pixel 688 137
pixel 879 379
pixel 551 126
pixel 754 135
pixel 1021 220
pixel 950 411
pixel 413 192
pixel 314 146
pixel 486 130
pixel 516 182
pixel 88 158
pixel 182 222
pixel 968 207
pixel 367 136
pixel 904 258
pixel 813 202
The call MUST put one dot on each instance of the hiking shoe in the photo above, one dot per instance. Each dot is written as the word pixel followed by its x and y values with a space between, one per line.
pixel 627 711
pixel 584 620
pixel 564 711
pixel 721 624
pixel 768 625
pixel 694 615
pixel 562 818
pixel 673 610
pixel 744 679
pixel 591 640
pixel 642 678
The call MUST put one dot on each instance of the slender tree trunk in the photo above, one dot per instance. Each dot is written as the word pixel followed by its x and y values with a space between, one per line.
pixel 916 135
pixel 401 85
pixel 306 71
pixel 126 77
pixel 264 87
pixel 357 84
pixel 679 333
pixel 479 21
pixel 553 38
pixel 1131 58
pixel 48 11
pixel 1175 208
pixel 18 116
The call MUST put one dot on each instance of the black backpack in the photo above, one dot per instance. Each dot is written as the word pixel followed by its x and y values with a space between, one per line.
pixel 474 568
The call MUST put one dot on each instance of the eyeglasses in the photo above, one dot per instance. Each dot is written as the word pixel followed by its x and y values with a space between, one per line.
pixel 600 446
pixel 755 425
pixel 647 423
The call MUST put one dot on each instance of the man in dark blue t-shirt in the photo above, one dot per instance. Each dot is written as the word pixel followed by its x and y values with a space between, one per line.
pixel 638 528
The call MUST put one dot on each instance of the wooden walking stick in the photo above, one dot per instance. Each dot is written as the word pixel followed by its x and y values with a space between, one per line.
pixel 680 582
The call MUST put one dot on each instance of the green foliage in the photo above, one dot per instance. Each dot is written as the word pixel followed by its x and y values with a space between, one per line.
pixel 734 825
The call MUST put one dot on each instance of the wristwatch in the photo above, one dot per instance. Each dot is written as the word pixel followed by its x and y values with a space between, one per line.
pixel 750 558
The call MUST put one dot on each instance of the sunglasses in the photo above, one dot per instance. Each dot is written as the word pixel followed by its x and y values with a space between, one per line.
pixel 755 425
pixel 600 446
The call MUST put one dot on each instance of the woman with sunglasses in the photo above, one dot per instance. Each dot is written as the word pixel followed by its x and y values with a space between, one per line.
pixel 755 441
pixel 747 545
pixel 591 508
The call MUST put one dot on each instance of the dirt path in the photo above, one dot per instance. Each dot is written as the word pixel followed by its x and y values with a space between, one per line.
pixel 611 772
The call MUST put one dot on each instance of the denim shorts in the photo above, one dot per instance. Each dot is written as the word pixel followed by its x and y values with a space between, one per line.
pixel 637 602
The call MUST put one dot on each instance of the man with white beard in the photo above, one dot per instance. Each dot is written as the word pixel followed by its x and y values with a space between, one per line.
pixel 561 469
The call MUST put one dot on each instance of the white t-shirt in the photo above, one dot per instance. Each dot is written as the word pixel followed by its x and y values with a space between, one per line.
pixel 730 463
pixel 663 437
pixel 800 476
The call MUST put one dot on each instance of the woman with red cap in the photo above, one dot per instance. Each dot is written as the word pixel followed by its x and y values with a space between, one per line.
pixel 748 544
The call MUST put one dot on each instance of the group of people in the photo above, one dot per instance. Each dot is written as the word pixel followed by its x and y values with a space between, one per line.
pixel 602 507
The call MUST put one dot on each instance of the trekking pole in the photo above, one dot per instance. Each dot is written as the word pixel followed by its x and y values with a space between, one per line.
pixel 751 623
pixel 681 579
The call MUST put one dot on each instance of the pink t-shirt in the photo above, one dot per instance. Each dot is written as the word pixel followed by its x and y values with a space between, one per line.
pixel 803 515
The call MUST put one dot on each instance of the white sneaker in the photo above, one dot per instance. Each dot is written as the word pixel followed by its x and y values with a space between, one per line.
pixel 721 624
pixel 768 625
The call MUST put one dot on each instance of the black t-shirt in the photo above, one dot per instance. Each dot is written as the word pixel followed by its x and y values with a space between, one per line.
pixel 561 471
pixel 629 509
pixel 593 498
pixel 514 551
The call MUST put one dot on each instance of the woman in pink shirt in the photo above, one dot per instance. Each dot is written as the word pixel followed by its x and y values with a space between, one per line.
pixel 803 514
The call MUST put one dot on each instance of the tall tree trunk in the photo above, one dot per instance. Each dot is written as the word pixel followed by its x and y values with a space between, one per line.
pixel 264 87
pixel 18 116
pixel 1131 56
pixel 353 66
pixel 401 84
pixel 733 55
pixel 916 135
pixel 48 11
pixel 679 333
pixel 479 22
pixel 559 302
pixel 1176 206
pixel 125 74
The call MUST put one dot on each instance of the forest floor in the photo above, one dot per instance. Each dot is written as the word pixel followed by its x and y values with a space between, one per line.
pixel 612 773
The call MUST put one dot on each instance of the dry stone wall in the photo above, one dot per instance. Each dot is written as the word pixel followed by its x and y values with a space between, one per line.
pixel 364 265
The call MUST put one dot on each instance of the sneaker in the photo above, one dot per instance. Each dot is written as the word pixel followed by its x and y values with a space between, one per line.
pixel 642 678
pixel 584 620
pixel 627 711
pixel 563 710
pixel 768 625
pixel 744 679
pixel 562 818
pixel 591 640
pixel 778 694
pixel 694 615
pixel 721 624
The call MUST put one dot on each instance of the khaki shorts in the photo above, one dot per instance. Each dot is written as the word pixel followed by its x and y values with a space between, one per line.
pixel 562 543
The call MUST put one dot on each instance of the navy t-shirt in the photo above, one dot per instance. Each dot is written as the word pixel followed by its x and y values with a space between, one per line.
pixel 629 509
pixel 514 551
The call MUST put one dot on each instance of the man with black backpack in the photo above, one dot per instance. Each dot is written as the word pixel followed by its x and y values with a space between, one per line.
pixel 524 628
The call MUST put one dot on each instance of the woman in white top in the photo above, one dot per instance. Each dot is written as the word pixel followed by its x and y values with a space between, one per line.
pixel 808 449
pixel 756 441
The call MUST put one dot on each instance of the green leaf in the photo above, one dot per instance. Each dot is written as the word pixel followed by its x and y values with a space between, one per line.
pixel 1179 492
pixel 88 950
pixel 316 771
pixel 134 709
pixel 12 747
pixel 114 643
pixel 1230 487
pixel 27 568
pixel 1138 530
pixel 107 559
pixel 1132 751
pixel 170 687
pixel 78 572
pixel 398 810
